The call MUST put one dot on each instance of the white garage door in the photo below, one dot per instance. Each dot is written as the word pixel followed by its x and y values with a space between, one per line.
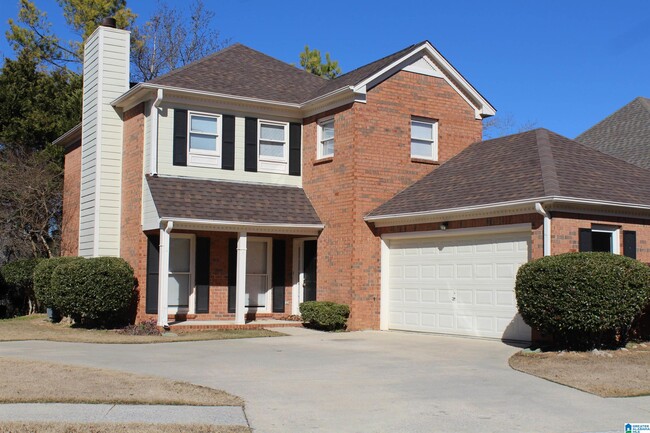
pixel 457 285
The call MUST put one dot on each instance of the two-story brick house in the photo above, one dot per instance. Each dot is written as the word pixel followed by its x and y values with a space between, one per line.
pixel 240 185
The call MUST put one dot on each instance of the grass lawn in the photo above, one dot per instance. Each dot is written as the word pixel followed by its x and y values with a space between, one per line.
pixel 607 373
pixel 38 327
pixel 45 382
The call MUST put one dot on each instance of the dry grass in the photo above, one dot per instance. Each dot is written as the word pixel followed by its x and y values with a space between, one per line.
pixel 45 382
pixel 615 373
pixel 37 327
pixel 60 427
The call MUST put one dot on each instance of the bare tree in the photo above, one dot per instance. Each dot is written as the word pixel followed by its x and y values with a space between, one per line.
pixel 170 40
pixel 30 203
pixel 505 124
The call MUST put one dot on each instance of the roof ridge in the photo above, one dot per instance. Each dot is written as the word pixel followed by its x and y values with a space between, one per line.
pixel 547 163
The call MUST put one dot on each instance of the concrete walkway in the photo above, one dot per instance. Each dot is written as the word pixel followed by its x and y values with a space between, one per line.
pixel 371 382
pixel 124 413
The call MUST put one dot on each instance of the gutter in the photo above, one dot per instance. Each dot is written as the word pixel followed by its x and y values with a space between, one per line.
pixel 547 228
pixel 423 216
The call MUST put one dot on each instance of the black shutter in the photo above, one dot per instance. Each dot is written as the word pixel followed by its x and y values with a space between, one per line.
pixel 295 133
pixel 250 144
pixel 629 244
pixel 278 277
pixel 232 275
pixel 585 240
pixel 153 245
pixel 180 137
pixel 202 278
pixel 228 143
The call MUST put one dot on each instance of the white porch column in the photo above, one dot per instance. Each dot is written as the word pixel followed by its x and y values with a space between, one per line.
pixel 240 298
pixel 163 274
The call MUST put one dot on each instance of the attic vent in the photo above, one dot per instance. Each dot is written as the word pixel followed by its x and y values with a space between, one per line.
pixel 109 22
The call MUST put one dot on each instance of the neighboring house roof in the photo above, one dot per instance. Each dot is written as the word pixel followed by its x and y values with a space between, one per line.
pixel 624 134
pixel 208 200
pixel 531 166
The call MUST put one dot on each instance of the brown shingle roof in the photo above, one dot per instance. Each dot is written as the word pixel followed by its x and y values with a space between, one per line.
pixel 241 71
pixel 530 165
pixel 233 202
pixel 624 134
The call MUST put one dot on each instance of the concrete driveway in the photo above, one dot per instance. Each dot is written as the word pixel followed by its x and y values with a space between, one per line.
pixel 363 382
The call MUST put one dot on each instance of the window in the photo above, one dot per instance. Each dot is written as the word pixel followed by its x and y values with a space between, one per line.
pixel 326 138
pixel 204 139
pixel 424 139
pixel 273 147
pixel 181 278
pixel 600 239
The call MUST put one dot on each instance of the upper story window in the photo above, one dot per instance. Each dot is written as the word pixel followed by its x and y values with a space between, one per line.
pixel 273 146
pixel 424 139
pixel 204 139
pixel 326 138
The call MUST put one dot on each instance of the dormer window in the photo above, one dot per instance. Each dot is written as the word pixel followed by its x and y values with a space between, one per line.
pixel 204 139
pixel 326 138
pixel 424 139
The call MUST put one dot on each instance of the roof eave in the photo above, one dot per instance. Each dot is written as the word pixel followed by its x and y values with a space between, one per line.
pixel 69 137
pixel 242 226
pixel 499 209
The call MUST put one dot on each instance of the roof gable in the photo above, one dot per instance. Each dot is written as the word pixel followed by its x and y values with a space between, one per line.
pixel 533 165
pixel 241 72
pixel 625 134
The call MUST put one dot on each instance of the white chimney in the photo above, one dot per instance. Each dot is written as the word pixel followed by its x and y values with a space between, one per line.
pixel 105 77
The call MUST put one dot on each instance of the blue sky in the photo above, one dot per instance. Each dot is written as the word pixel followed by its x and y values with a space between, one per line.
pixel 563 65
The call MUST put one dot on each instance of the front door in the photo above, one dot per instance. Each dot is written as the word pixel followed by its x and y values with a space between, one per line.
pixel 309 270
pixel 258 275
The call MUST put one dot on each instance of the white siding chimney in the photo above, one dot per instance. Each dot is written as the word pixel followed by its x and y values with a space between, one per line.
pixel 105 77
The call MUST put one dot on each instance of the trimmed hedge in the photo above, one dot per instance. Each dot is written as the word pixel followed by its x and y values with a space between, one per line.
pixel 19 286
pixel 583 300
pixel 96 292
pixel 328 316
pixel 43 278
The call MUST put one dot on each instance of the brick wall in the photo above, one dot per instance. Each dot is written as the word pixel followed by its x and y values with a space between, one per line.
pixel 133 242
pixel 565 228
pixel 71 197
pixel 371 164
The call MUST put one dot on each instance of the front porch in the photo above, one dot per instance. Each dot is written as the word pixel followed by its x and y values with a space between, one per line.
pixel 205 325
pixel 228 251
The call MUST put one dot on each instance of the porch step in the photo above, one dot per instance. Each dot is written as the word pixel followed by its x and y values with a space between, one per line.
pixel 205 325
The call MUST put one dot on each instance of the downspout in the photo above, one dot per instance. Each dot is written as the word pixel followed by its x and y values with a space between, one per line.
pixel 547 228
pixel 154 132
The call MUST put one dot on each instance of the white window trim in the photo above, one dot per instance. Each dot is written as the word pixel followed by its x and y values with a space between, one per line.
pixel 272 164
pixel 616 236
pixel 207 158
pixel 319 139
pixel 191 302
pixel 434 141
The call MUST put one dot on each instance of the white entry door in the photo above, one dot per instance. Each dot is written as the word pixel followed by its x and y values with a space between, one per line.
pixel 457 285
pixel 258 275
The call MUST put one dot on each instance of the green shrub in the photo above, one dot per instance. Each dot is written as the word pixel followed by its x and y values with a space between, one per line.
pixel 95 292
pixel 583 300
pixel 19 286
pixel 43 276
pixel 324 315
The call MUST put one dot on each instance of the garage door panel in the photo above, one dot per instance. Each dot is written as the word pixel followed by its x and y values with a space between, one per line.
pixel 461 285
